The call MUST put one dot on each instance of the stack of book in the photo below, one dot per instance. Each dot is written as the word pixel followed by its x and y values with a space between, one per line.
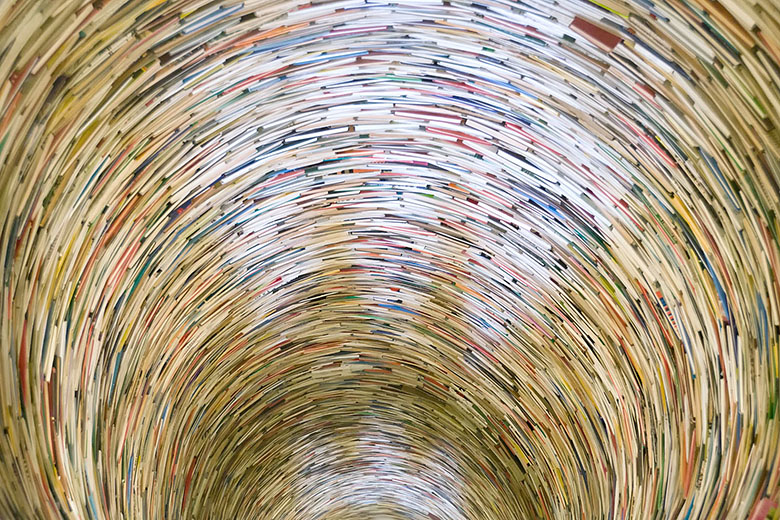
pixel 432 259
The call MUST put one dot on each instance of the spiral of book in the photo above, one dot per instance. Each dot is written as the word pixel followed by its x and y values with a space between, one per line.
pixel 389 259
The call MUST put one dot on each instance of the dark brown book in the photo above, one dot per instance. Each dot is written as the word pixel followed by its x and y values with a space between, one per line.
pixel 599 36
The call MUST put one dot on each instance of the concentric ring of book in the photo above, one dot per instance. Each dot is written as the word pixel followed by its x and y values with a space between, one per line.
pixel 389 259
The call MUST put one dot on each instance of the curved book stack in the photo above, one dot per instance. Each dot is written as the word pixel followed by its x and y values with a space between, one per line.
pixel 430 259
